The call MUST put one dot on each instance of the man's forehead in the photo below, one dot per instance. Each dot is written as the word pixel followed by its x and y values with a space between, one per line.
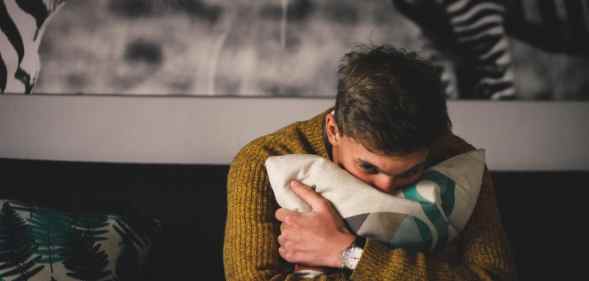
pixel 393 163
pixel 359 149
pixel 387 163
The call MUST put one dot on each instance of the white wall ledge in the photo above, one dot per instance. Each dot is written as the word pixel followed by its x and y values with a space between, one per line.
pixel 520 135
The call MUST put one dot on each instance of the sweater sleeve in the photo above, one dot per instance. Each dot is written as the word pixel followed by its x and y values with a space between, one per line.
pixel 480 252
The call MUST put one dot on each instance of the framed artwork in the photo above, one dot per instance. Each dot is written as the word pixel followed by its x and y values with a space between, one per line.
pixel 486 50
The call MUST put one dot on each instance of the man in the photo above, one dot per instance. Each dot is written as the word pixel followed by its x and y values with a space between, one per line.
pixel 390 122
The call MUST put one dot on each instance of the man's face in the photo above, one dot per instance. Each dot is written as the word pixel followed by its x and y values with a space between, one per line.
pixel 387 173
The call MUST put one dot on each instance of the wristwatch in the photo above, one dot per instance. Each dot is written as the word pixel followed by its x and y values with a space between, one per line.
pixel 351 255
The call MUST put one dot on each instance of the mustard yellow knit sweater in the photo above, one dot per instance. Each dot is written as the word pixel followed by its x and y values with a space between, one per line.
pixel 251 249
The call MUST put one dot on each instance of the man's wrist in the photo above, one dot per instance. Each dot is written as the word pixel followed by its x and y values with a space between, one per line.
pixel 351 255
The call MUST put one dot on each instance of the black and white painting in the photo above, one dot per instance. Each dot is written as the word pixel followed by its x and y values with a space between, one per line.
pixel 487 50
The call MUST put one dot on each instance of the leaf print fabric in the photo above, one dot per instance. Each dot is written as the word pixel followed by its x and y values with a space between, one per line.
pixel 47 244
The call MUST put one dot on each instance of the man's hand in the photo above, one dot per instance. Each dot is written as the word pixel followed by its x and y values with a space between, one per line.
pixel 316 238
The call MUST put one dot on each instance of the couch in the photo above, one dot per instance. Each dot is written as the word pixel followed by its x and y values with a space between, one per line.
pixel 541 211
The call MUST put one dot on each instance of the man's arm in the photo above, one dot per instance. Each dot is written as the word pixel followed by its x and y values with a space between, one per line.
pixel 479 254
pixel 250 250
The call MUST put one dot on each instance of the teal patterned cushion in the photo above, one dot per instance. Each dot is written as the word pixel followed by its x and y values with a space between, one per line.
pixel 48 244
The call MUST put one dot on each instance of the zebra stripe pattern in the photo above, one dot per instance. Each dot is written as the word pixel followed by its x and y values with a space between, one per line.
pixel 474 31
pixel 22 24
pixel 479 28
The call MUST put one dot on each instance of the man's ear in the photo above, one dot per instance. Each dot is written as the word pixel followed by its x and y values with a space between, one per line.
pixel 333 134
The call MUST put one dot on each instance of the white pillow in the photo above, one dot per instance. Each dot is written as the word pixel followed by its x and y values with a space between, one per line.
pixel 425 215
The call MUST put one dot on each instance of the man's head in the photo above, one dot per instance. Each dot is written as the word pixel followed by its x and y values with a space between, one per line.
pixel 390 107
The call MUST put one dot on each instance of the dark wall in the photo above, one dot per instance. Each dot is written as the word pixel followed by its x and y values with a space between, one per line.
pixel 544 215
pixel 542 212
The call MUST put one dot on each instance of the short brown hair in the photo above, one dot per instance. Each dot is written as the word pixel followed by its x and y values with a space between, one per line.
pixel 390 100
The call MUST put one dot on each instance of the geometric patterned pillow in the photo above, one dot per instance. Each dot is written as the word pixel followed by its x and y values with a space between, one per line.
pixel 46 244
pixel 425 215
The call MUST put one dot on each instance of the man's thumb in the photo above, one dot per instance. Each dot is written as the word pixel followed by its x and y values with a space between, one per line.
pixel 314 199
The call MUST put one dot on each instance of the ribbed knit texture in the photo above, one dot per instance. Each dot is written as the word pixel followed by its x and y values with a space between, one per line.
pixel 250 249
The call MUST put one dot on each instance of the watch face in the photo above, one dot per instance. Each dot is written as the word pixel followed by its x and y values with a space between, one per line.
pixel 351 256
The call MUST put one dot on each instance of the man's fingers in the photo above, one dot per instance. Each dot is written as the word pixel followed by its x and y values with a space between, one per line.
pixel 285 216
pixel 281 239
pixel 314 199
